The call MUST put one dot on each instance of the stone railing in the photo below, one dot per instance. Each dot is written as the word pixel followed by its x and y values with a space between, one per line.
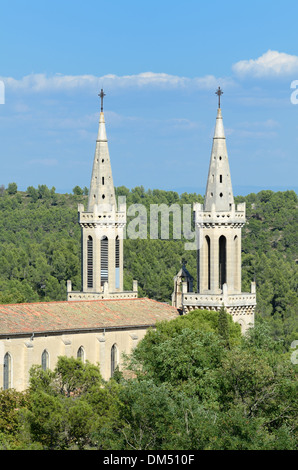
pixel 100 296
pixel 210 300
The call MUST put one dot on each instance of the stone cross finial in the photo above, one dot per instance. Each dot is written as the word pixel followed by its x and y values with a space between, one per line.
pixel 219 92
pixel 101 95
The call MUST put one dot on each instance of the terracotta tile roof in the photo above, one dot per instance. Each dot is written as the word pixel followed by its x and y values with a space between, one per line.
pixel 42 317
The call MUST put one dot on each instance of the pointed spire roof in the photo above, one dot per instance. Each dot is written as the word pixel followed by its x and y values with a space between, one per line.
pixel 219 192
pixel 102 192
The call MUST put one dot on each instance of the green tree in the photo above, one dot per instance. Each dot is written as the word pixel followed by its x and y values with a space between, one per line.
pixel 77 191
pixel 12 188
pixel 242 397
pixel 223 326
pixel 32 193
pixel 67 405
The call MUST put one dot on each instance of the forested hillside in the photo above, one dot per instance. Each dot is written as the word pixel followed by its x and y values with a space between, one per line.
pixel 40 249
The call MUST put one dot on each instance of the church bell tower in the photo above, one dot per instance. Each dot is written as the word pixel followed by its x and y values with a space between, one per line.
pixel 218 224
pixel 102 231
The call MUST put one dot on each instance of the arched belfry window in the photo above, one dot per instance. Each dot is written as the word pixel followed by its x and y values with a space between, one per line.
pixel 114 359
pixel 45 360
pixel 104 260
pixel 81 354
pixel 222 268
pixel 7 372
pixel 117 262
pixel 90 261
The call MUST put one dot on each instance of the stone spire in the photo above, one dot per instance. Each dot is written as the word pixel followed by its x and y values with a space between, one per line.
pixel 102 186
pixel 102 231
pixel 218 225
pixel 219 192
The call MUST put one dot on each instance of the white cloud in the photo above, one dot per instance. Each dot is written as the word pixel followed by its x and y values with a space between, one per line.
pixel 270 64
pixel 58 82
pixel 40 82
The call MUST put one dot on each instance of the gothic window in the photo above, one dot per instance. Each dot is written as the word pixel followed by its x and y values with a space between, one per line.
pixel 81 354
pixel 222 268
pixel 117 262
pixel 104 260
pixel 7 371
pixel 45 360
pixel 114 359
pixel 90 262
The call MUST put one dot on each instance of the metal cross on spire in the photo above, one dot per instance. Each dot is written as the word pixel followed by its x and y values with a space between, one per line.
pixel 219 92
pixel 101 95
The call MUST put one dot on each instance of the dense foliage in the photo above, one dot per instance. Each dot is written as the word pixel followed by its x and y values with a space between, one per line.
pixel 40 249
pixel 193 383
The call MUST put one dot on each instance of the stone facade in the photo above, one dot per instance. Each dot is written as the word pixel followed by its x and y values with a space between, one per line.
pixel 99 331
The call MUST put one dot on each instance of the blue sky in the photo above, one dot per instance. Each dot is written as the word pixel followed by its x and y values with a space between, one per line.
pixel 160 63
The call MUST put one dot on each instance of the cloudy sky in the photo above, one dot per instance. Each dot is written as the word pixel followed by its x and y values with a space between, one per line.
pixel 160 63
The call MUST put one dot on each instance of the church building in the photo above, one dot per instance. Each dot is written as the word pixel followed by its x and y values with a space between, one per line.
pixel 102 321
pixel 98 323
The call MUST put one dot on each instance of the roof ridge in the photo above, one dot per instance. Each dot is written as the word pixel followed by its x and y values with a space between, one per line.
pixel 75 301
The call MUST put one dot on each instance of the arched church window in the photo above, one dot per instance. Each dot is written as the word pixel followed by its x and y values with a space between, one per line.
pixel 7 372
pixel 81 354
pixel 45 360
pixel 90 261
pixel 222 268
pixel 114 358
pixel 104 260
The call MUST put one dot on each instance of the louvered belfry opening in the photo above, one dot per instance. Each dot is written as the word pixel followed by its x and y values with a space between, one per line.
pixel 117 263
pixel 222 261
pixel 104 260
pixel 90 261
